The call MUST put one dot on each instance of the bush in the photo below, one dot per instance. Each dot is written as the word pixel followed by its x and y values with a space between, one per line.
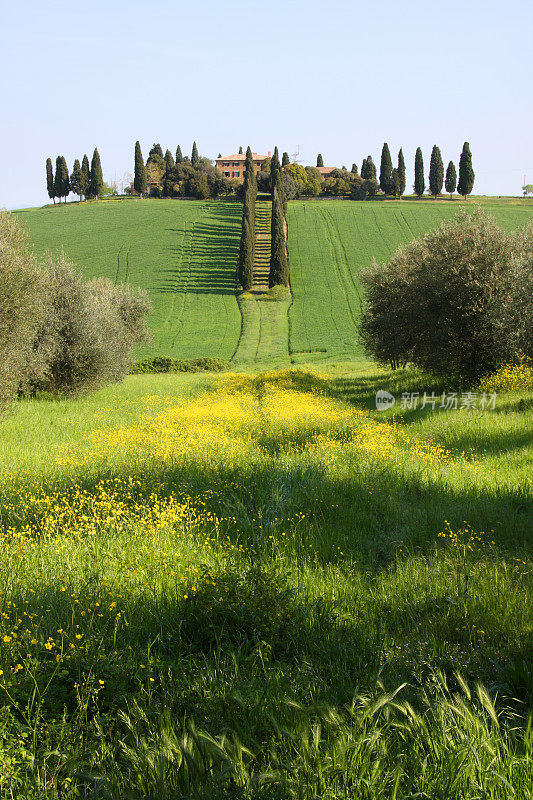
pixel 22 310
pixel 510 378
pixel 90 330
pixel 160 364
pixel 451 303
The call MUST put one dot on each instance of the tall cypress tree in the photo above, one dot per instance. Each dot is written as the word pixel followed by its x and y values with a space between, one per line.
pixel 385 170
pixel 420 183
pixel 75 179
pixel 450 182
pixel 179 155
pixel 401 171
pixel 139 179
pixel 85 176
pixel 395 183
pixel 285 160
pixel 364 170
pixel 279 266
pixel 436 172
pixel 50 186
pixel 169 160
pixel 96 177
pixel 195 159
pixel 319 160
pixel 354 169
pixel 240 150
pixel 465 184
pixel 247 245
pixel 62 180
pixel 274 168
pixel 368 169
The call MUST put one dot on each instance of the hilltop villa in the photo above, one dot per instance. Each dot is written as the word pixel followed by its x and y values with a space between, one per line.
pixel 233 166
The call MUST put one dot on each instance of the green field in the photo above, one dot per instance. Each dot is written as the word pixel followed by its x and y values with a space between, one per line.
pixel 260 588
pixel 329 243
pixel 184 254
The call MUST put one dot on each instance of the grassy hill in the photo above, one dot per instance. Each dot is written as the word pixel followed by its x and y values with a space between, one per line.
pixel 184 254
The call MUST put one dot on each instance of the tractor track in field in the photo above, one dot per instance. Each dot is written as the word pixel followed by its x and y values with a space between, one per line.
pixel 340 263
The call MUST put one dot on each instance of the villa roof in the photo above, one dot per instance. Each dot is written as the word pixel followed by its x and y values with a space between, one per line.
pixel 242 157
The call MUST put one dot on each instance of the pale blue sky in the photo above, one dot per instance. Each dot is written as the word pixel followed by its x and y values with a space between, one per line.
pixel 338 78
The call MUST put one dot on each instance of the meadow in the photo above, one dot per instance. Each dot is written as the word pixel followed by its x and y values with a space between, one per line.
pixel 258 586
pixel 331 241
pixel 184 254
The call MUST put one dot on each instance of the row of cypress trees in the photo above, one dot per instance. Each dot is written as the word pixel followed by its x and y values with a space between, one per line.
pixel 245 264
pixel 139 176
pixel 279 263
pixel 84 181
pixel 464 185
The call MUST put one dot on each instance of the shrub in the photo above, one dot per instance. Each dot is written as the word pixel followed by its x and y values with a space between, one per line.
pixel 509 378
pixel 22 310
pixel 161 364
pixel 90 329
pixel 450 302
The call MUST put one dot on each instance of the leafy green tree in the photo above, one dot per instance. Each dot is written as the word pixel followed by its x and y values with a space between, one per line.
pixel 75 179
pixel 465 184
pixel 97 179
pixel 179 155
pixel 436 172
pixel 139 180
pixel 395 183
pixel 368 169
pixel 194 155
pixel 527 189
pixel 445 302
pixel 85 176
pixel 450 182
pixel 319 160
pixel 401 172
pixel 285 160
pixel 62 180
pixel 313 183
pixel 50 185
pixel 420 183
pixel 385 170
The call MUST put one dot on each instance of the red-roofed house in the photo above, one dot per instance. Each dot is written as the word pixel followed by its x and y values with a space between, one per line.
pixel 325 171
pixel 233 166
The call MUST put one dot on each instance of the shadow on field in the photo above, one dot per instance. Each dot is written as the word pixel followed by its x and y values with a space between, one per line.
pixel 208 266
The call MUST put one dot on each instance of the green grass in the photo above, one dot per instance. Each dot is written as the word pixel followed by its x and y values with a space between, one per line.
pixel 331 241
pixel 250 573
pixel 183 253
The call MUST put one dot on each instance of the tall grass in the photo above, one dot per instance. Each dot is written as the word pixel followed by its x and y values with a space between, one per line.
pixel 259 587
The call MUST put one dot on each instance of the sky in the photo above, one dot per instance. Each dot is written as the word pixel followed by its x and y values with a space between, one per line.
pixel 339 78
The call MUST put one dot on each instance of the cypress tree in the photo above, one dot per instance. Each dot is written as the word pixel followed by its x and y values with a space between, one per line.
pixel 401 171
pixel 75 179
pixel 395 183
pixel 246 255
pixel 385 171
pixel 169 161
pixel 240 150
pixel 319 160
pixel 274 168
pixel 285 160
pixel 62 181
pixel 139 180
pixel 157 150
pixel 194 155
pixel 179 155
pixel 451 179
pixel 279 267
pixel 364 170
pixel 420 184
pixel 369 169
pixel 436 172
pixel 354 169
pixel 465 184
pixel 96 177
pixel 85 176
pixel 50 187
